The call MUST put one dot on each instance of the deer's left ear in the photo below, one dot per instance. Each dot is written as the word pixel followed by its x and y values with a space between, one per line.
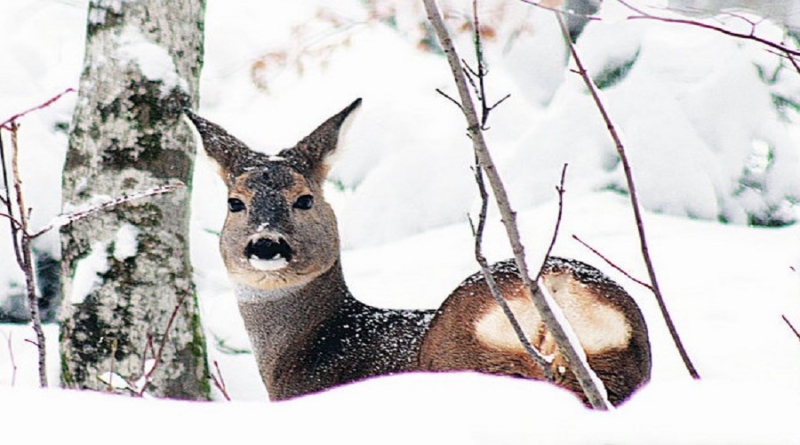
pixel 231 155
pixel 312 156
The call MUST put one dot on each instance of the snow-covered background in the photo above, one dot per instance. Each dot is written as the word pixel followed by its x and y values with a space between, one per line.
pixel 701 114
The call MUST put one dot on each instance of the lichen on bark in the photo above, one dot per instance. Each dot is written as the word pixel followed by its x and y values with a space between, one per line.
pixel 128 135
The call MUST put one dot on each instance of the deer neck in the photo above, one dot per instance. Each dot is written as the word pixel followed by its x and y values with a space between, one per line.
pixel 317 335
pixel 276 319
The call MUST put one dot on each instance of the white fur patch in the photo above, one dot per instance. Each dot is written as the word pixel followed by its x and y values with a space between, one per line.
pixel 598 325
pixel 275 263
pixel 495 331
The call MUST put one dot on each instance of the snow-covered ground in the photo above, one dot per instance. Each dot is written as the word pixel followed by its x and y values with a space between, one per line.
pixel 692 109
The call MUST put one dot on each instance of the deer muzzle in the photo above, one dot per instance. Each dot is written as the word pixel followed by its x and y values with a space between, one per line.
pixel 268 253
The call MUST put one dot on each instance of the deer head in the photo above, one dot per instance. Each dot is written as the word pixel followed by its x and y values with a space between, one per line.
pixel 279 232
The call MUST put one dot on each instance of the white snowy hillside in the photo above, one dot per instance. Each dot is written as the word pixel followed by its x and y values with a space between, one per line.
pixel 711 126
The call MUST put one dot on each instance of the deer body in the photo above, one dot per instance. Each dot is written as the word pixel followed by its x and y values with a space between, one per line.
pixel 280 246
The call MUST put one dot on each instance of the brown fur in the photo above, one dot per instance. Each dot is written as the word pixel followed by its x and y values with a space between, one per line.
pixel 452 344
pixel 309 333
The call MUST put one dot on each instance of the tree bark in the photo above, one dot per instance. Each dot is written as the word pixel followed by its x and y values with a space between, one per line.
pixel 127 283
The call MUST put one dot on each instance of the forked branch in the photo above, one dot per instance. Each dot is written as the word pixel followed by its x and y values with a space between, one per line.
pixel 219 381
pixel 18 214
pixel 576 362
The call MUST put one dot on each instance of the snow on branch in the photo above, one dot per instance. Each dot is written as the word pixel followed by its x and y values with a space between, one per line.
pixel 77 215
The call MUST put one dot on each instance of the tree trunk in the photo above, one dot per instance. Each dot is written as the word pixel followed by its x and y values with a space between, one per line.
pixel 127 281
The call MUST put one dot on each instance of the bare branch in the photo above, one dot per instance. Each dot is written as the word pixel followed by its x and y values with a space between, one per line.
pixel 643 15
pixel 612 264
pixel 480 74
pixel 633 195
pixel 37 107
pixel 560 190
pixel 10 347
pixel 22 244
pixel 789 323
pixel 17 177
pixel 18 216
pixel 450 98
pixel 149 374
pixel 477 233
pixel 794 63
pixel 219 382
pixel 502 99
pixel 16 225
pixel 576 364
pixel 13 221
pixel 73 217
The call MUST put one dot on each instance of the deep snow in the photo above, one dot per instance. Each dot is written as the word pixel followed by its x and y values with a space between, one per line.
pixel 404 188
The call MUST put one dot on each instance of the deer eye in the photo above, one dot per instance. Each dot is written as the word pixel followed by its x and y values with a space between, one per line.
pixel 235 205
pixel 304 202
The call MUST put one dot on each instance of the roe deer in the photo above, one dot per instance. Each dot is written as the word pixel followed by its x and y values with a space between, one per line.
pixel 280 245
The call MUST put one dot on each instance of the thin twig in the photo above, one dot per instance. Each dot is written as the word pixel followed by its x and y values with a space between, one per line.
pixel 477 233
pixel 789 323
pixel 481 72
pixel 11 220
pixel 747 36
pixel 73 217
pixel 578 366
pixel 634 199
pixel 16 225
pixel 560 190
pixel 149 375
pixel 22 245
pixel 612 264
pixel 37 107
pixel 18 215
pixel 219 381
pixel 450 98
pixel 10 346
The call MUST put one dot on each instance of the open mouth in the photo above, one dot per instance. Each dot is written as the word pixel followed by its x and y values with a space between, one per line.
pixel 268 254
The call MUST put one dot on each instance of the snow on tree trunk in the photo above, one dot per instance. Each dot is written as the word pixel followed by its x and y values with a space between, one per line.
pixel 126 274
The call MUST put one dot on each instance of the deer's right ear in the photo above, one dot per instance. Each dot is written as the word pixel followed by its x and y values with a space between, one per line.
pixel 231 155
pixel 312 155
